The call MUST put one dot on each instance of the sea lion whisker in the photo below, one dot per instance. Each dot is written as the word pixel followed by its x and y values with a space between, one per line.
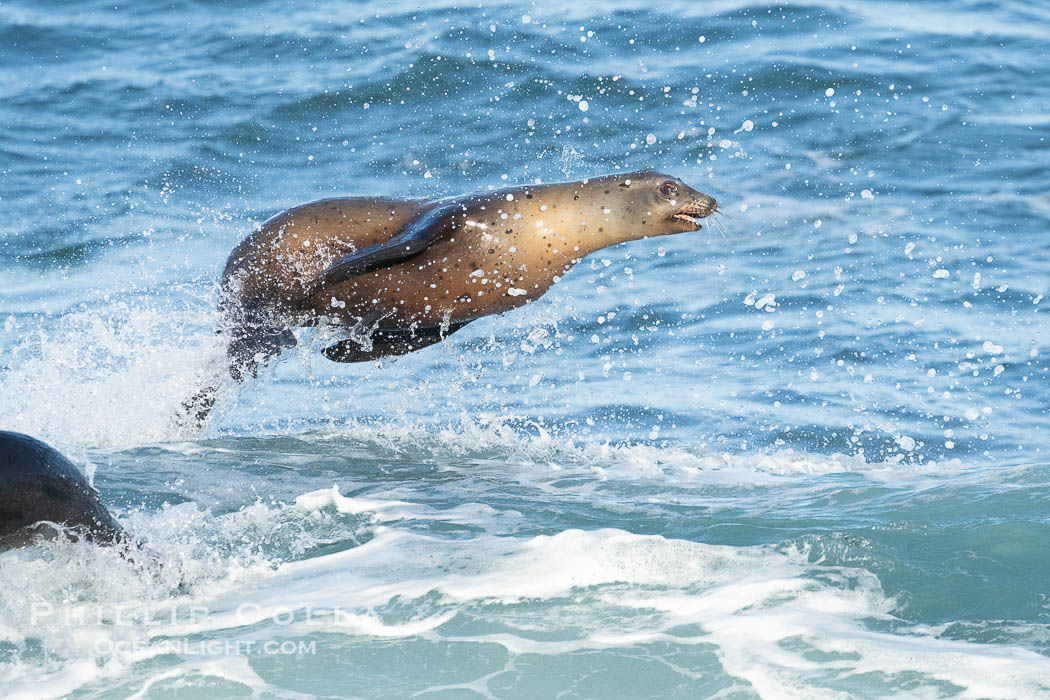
pixel 720 227
pixel 717 226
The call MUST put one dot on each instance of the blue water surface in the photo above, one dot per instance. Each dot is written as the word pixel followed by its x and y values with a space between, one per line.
pixel 799 453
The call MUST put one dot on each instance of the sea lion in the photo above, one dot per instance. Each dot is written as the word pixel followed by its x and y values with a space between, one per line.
pixel 400 275
pixel 42 494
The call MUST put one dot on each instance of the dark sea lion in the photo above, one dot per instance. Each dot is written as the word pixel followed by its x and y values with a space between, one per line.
pixel 400 275
pixel 41 490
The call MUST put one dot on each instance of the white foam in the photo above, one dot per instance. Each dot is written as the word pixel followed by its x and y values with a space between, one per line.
pixel 317 500
pixel 534 454
pixel 766 611
pixel 778 619
pixel 382 510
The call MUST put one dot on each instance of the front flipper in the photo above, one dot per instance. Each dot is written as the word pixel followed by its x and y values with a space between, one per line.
pixel 413 239
pixel 390 341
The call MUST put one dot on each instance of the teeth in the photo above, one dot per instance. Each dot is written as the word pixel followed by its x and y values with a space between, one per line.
pixel 686 217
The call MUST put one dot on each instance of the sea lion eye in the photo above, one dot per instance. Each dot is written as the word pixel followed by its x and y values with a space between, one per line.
pixel 669 189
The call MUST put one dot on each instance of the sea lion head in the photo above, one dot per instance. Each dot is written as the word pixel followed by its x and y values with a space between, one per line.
pixel 631 206
pixel 664 204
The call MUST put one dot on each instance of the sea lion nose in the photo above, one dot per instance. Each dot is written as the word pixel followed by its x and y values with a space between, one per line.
pixel 706 204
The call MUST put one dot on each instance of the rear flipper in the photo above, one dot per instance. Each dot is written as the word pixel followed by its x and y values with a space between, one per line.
pixel 251 346
pixel 390 341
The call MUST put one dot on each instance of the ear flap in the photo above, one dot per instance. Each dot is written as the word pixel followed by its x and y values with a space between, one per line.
pixel 413 239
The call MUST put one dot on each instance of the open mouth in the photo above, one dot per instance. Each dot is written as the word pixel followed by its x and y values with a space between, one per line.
pixel 693 219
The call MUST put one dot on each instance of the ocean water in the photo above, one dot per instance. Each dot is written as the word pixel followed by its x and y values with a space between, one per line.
pixel 804 452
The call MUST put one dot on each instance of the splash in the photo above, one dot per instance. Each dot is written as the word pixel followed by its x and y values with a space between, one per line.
pixel 109 376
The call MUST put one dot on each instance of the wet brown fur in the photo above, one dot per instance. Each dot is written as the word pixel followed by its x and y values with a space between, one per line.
pixel 524 243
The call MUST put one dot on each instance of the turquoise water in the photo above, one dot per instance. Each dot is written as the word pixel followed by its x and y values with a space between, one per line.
pixel 808 458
